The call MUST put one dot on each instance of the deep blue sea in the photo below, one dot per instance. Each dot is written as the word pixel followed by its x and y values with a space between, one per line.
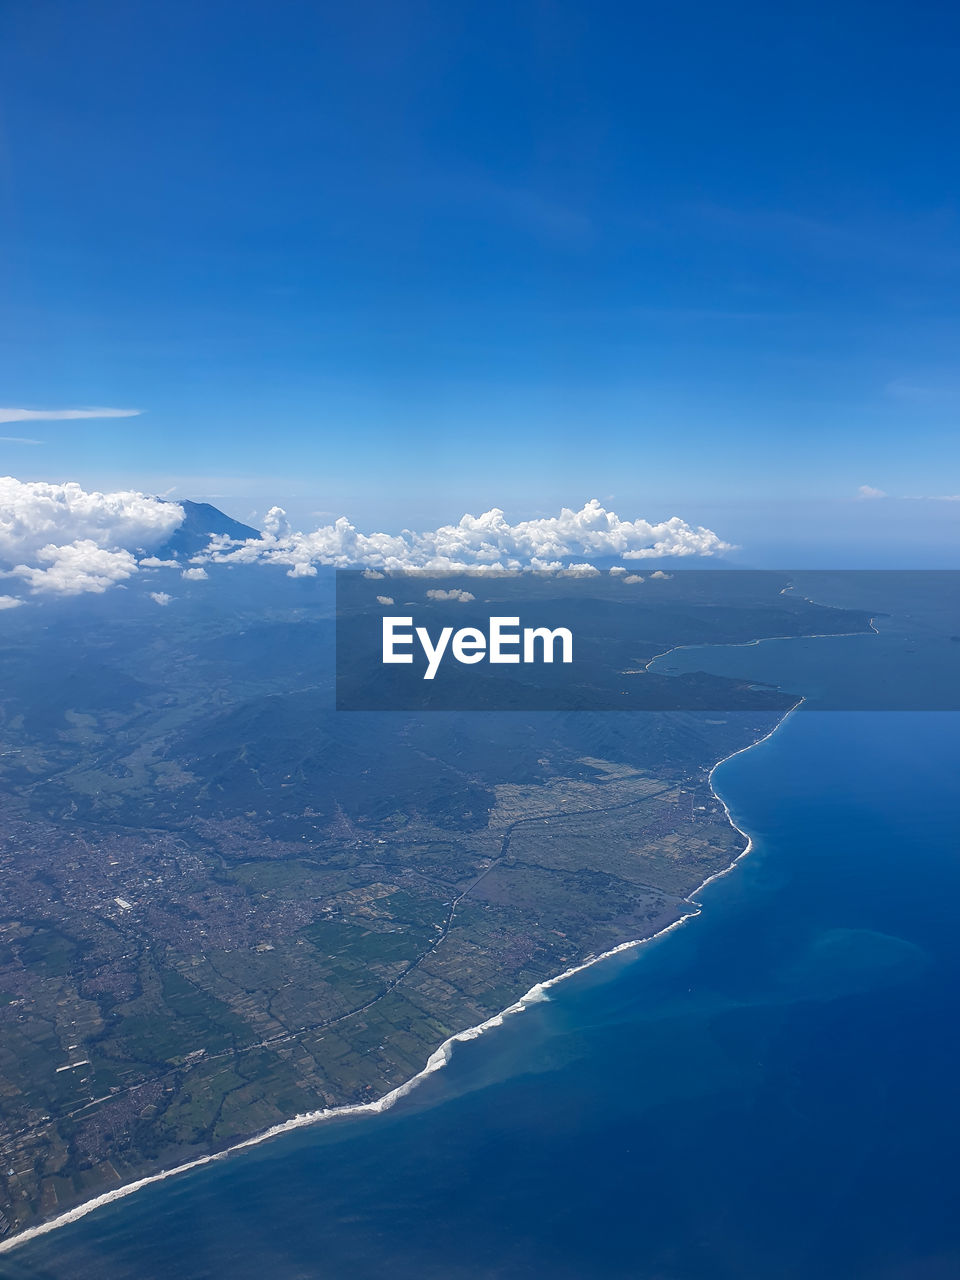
pixel 768 1092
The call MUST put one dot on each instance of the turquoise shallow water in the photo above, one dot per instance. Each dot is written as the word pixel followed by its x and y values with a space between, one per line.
pixel 767 1092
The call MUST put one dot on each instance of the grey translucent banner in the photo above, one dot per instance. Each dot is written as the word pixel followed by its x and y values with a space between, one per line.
pixel 629 638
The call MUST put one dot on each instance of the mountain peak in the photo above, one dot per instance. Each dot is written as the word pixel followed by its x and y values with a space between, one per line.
pixel 201 520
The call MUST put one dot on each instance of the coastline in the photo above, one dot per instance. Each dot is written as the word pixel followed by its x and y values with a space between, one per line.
pixel 437 1060
pixel 748 644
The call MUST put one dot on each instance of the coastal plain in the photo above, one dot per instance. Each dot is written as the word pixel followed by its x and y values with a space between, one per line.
pixel 225 904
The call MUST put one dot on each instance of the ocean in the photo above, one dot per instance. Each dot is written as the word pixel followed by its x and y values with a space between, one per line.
pixel 768 1091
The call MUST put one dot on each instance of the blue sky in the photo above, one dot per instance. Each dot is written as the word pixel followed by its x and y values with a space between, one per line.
pixel 401 260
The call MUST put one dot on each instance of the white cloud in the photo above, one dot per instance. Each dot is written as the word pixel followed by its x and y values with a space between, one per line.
pixel 632 578
pixel 275 523
pixel 453 594
pixel 868 491
pixel 62 415
pixel 617 568
pixel 61 538
pixel 385 599
pixel 80 566
pixel 160 597
pixel 34 514
pixel 658 573
pixel 487 541
pixel 19 440
pixel 10 602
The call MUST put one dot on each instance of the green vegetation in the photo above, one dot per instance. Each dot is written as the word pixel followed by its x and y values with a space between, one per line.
pixel 226 903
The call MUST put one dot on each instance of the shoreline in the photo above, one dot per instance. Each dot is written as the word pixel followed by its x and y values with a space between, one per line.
pixel 747 644
pixel 435 1062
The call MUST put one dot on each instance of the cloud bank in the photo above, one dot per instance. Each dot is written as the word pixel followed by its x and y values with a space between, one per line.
pixel 61 539
pixel 487 541
pixel 35 514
